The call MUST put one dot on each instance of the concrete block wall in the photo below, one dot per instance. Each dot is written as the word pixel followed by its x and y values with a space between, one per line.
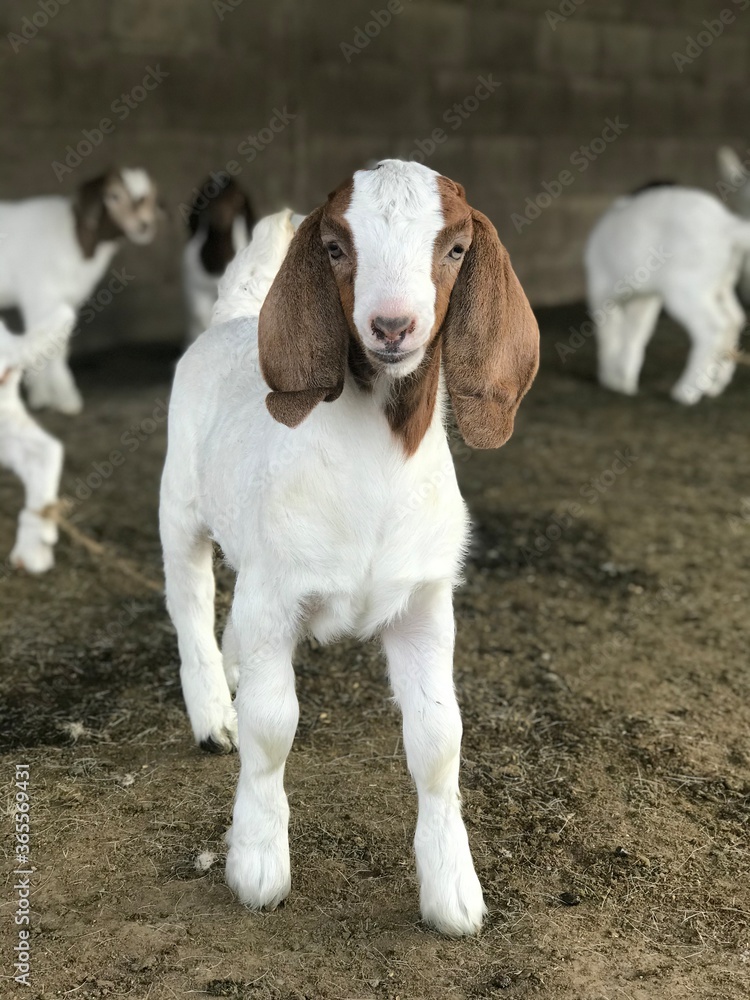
pixel 320 87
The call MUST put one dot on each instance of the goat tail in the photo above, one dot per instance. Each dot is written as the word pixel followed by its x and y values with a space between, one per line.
pixel 248 278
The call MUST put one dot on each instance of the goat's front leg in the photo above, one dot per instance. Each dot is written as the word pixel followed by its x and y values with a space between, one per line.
pixel 36 457
pixel 49 380
pixel 258 866
pixel 420 659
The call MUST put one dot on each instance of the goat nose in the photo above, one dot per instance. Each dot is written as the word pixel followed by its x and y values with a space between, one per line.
pixel 392 329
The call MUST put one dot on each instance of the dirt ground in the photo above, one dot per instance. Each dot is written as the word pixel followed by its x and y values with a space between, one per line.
pixel 602 671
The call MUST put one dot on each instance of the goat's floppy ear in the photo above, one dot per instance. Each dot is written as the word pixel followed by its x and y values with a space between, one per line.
pixel 89 211
pixel 490 341
pixel 303 336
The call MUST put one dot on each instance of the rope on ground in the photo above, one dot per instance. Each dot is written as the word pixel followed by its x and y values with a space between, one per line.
pixel 58 513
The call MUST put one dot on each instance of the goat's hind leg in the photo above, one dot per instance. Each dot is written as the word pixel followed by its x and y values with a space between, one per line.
pixel 623 331
pixel 190 587
pixel 711 329
pixel 723 370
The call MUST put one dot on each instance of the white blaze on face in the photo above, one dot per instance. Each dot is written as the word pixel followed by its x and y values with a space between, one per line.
pixel 395 213
pixel 137 182
pixel 133 205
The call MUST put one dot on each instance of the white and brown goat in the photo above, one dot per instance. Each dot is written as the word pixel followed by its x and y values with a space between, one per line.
pixel 309 441
pixel 220 222
pixel 53 252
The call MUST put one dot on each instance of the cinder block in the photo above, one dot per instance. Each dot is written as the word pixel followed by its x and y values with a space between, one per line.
pixel 169 26
pixel 574 48
pixel 501 41
pixel 536 104
pixel 626 50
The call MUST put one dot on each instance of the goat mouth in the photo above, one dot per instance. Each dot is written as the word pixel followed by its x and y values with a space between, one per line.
pixel 392 357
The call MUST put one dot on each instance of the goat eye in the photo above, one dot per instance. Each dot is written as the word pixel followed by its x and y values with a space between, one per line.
pixel 456 253
pixel 334 251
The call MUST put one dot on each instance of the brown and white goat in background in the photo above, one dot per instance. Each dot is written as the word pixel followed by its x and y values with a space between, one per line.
pixel 221 220
pixel 54 251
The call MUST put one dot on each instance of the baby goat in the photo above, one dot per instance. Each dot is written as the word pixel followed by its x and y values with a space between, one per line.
pixel 310 443
pixel 55 250
pixel 33 454
pixel 220 227
pixel 676 248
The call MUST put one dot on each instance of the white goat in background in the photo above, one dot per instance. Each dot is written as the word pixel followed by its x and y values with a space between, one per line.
pixel 34 455
pixel 675 248
pixel 309 442
pixel 54 250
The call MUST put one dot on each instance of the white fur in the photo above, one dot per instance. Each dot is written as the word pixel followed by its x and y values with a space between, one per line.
pixel 201 288
pixel 332 531
pixel 33 454
pixel 675 248
pixel 42 268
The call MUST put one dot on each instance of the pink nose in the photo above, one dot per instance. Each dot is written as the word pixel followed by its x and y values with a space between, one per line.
pixel 392 329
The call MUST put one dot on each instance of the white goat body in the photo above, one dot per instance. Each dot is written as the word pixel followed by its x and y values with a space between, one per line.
pixel 34 455
pixel 54 251
pixel 338 519
pixel 674 248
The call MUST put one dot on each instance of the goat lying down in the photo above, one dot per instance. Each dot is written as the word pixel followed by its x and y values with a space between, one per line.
pixel 55 251
pixel 34 455
pixel 675 248
pixel 309 442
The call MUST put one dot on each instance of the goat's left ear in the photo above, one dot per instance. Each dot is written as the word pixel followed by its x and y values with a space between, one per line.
pixel 303 335
pixel 490 341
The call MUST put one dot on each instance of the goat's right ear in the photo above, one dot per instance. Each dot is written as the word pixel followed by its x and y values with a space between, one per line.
pixel 89 211
pixel 303 335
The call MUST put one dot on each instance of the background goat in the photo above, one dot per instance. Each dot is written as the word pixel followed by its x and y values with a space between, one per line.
pixel 220 225
pixel 54 252
pixel 676 248
pixel 343 518
pixel 33 454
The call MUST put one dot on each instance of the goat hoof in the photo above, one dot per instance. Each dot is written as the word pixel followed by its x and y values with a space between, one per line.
pixel 40 559
pixel 688 395
pixel 210 745
pixel 259 876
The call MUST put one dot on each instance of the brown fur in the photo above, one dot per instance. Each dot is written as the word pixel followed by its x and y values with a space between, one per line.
pixel 490 341
pixel 303 335
pixel 94 225
pixel 485 333
pixel 218 219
